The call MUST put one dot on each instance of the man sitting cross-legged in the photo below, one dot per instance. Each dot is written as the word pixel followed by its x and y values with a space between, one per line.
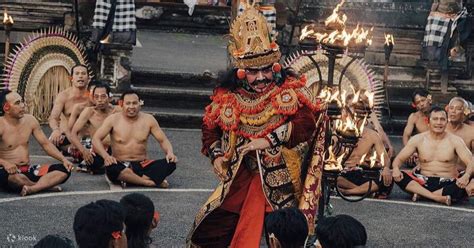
pixel 64 104
pixel 352 181
pixel 458 111
pixel 16 127
pixel 438 178
pixel 129 132
pixel 91 119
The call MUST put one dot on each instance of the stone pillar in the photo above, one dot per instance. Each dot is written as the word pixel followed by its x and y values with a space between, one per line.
pixel 115 66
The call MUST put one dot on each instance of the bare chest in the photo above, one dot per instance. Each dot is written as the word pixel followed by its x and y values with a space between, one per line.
pixel 13 137
pixel 439 151
pixel 70 102
pixel 126 133
pixel 421 124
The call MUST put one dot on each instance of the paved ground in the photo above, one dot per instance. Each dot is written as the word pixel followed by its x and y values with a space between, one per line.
pixel 394 222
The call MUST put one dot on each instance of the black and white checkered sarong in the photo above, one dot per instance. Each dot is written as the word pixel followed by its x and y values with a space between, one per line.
pixel 437 27
pixel 124 19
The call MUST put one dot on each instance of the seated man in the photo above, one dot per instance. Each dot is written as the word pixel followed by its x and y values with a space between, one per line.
pixel 352 181
pixel 64 104
pixel 76 111
pixel 418 121
pixel 91 119
pixel 100 224
pixel 16 127
pixel 129 132
pixel 458 111
pixel 340 231
pixel 438 178
pixel 286 228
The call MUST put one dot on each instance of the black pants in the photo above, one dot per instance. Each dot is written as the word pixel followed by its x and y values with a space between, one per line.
pixel 156 170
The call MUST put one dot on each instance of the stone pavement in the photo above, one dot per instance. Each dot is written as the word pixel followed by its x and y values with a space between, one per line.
pixel 389 223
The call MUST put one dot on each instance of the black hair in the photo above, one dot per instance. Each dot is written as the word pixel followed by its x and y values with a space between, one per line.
pixel 95 222
pixel 419 92
pixel 54 241
pixel 79 65
pixel 101 85
pixel 229 80
pixel 92 83
pixel 438 109
pixel 139 215
pixel 289 226
pixel 3 99
pixel 129 92
pixel 340 231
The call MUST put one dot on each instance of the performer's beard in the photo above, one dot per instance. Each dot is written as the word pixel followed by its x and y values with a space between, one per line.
pixel 259 86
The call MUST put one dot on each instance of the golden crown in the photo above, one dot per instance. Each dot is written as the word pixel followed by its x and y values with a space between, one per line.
pixel 250 42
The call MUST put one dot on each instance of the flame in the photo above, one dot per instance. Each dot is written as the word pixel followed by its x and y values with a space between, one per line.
pixel 373 159
pixel 333 163
pixel 356 97
pixel 362 159
pixel 105 40
pixel 334 17
pixel 370 97
pixel 389 40
pixel 358 37
pixel 362 126
pixel 382 160
pixel 7 19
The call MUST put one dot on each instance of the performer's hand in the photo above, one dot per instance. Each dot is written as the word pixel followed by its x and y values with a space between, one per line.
pixel 69 166
pixel 397 175
pixel 109 160
pixel 256 144
pixel 171 158
pixel 387 176
pixel 219 168
pixel 463 181
pixel 87 156
pixel 10 168
pixel 56 137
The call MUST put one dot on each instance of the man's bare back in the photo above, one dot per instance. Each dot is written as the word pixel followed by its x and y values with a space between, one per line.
pixel 370 139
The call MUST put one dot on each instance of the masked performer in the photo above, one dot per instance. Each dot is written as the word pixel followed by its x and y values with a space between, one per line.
pixel 256 132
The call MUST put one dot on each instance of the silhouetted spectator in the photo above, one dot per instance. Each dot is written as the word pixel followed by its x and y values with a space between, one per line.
pixel 100 225
pixel 140 219
pixel 340 231
pixel 54 241
pixel 286 228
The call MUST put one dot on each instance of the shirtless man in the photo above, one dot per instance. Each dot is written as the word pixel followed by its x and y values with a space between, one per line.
pixel 418 121
pixel 16 127
pixel 458 111
pixel 351 181
pixel 129 132
pixel 64 104
pixel 91 119
pixel 438 178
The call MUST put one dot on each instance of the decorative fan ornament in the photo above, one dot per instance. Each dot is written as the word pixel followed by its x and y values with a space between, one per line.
pixel 42 52
pixel 357 74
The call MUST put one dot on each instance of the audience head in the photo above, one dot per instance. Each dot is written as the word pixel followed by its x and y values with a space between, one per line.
pixel 101 95
pixel 54 241
pixel 140 219
pixel 340 231
pixel 3 101
pixel 421 100
pixel 12 103
pixel 286 228
pixel 100 224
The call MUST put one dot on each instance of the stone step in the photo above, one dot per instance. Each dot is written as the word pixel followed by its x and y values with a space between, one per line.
pixel 176 117
pixel 141 77
pixel 174 97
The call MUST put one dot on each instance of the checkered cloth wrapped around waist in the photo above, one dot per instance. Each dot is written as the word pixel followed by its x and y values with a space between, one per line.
pixel 437 27
pixel 124 18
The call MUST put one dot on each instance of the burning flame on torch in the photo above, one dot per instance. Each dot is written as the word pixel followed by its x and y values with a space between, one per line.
pixel 7 19
pixel 389 40
pixel 333 163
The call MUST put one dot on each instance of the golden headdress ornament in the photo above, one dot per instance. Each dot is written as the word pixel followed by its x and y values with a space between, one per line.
pixel 250 42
